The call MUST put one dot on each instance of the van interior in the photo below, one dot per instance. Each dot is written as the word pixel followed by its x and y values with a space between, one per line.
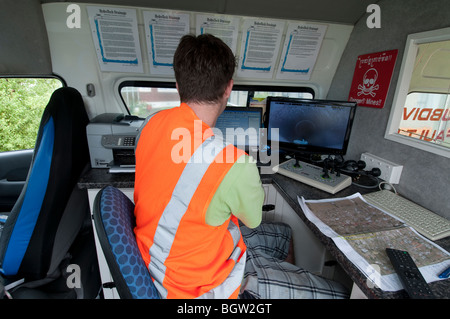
pixel 387 60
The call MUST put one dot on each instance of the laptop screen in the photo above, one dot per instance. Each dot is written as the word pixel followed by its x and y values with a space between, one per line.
pixel 240 125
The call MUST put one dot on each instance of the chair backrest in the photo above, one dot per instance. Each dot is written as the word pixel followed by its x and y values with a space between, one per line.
pixel 60 155
pixel 114 222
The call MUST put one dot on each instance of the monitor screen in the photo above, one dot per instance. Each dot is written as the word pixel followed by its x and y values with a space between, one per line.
pixel 240 125
pixel 310 126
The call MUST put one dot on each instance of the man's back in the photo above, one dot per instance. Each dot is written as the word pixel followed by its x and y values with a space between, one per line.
pixel 178 169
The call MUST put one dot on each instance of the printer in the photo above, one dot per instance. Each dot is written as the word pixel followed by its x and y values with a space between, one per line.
pixel 111 139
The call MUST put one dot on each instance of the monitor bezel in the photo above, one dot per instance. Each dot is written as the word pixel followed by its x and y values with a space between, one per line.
pixel 310 149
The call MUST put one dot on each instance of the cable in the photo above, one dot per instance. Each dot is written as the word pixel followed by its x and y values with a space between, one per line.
pixel 388 186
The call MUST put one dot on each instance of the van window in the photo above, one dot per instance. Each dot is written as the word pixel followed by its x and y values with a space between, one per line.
pixel 22 102
pixel 246 95
pixel 420 113
pixel 143 98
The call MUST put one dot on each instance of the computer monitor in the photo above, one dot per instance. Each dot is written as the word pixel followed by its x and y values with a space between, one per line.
pixel 310 126
pixel 240 125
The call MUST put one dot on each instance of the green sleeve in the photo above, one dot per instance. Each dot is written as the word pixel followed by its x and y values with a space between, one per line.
pixel 240 193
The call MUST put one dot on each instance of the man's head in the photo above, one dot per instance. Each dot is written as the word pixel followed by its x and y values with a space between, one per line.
pixel 204 67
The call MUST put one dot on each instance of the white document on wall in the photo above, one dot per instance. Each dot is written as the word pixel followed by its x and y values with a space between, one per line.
pixel 222 26
pixel 259 47
pixel 116 38
pixel 163 31
pixel 301 48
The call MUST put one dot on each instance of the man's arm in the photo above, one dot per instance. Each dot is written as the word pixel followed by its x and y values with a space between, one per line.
pixel 240 193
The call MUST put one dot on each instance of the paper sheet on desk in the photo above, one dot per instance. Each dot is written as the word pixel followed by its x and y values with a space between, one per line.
pixel 362 232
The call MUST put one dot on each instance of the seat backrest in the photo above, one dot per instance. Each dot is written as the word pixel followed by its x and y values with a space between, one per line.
pixel 114 222
pixel 60 155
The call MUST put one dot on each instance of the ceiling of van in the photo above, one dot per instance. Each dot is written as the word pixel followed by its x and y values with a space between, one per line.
pixel 340 11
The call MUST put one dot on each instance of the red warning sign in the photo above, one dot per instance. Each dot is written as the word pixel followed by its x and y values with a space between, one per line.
pixel 372 77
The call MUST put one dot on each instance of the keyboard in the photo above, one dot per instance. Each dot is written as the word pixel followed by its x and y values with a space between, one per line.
pixel 424 221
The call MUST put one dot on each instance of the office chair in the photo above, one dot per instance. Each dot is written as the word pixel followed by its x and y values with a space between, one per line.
pixel 114 222
pixel 49 227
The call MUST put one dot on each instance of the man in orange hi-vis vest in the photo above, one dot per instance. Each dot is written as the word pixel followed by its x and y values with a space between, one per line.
pixel 191 188
pixel 193 249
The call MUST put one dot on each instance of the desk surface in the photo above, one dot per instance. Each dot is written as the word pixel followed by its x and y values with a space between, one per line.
pixel 290 189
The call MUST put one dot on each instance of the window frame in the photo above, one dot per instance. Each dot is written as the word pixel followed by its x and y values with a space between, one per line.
pixel 412 43
pixel 236 87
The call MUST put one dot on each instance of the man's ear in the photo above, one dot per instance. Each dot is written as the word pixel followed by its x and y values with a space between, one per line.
pixel 229 88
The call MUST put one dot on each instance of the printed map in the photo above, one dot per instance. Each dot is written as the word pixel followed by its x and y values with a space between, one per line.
pixel 363 232
pixel 372 247
pixel 352 216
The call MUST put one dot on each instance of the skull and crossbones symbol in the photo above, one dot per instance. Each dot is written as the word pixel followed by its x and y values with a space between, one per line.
pixel 369 80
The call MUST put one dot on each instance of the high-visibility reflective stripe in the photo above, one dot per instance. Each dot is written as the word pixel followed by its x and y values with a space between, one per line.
pixel 235 232
pixel 236 235
pixel 182 194
pixel 233 281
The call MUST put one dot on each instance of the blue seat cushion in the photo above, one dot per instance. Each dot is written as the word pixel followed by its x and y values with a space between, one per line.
pixel 127 267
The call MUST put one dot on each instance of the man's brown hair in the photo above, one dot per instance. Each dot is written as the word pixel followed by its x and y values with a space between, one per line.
pixel 203 67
